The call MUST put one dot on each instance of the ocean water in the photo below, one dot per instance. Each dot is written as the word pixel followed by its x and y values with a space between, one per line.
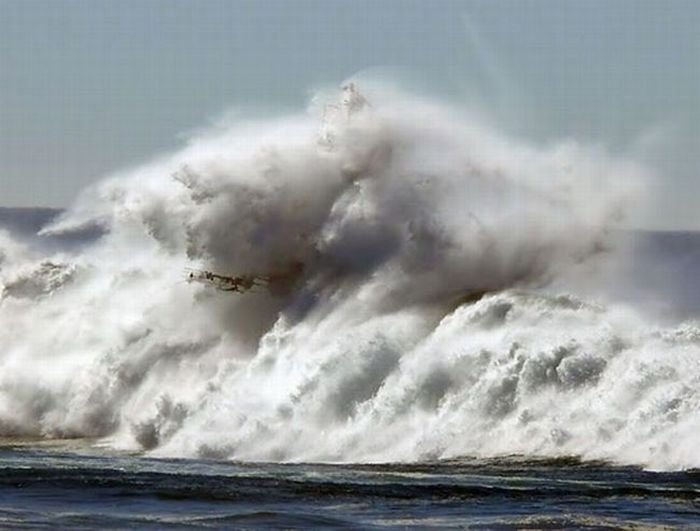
pixel 42 488
pixel 450 327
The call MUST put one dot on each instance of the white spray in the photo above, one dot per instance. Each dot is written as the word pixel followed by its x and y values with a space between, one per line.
pixel 414 329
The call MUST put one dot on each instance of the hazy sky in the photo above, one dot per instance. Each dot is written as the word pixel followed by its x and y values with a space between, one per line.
pixel 89 86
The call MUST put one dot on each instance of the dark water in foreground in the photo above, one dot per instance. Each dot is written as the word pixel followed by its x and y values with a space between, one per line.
pixel 58 488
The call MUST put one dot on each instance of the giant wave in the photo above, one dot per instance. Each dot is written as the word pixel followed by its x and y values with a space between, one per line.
pixel 433 317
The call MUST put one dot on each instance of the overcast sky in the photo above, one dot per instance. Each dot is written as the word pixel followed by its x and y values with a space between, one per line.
pixel 89 86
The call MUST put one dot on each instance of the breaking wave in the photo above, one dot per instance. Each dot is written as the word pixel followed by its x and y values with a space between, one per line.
pixel 421 325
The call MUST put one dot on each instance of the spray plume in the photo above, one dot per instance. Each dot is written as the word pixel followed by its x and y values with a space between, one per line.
pixel 414 327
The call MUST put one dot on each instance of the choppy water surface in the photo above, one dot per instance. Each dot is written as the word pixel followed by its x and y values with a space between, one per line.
pixel 59 488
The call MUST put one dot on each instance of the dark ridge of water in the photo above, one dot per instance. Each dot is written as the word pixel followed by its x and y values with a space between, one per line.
pixel 42 488
pixel 24 223
pixel 663 269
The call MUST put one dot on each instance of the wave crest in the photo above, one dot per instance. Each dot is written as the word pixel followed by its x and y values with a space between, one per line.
pixel 410 332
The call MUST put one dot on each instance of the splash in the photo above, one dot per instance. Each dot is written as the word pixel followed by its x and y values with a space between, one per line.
pixel 416 328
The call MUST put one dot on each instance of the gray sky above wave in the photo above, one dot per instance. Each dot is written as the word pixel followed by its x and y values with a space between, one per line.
pixel 88 87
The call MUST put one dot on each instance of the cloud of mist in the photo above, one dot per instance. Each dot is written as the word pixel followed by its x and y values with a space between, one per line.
pixel 423 234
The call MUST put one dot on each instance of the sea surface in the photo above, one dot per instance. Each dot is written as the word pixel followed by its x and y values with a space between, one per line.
pixel 82 488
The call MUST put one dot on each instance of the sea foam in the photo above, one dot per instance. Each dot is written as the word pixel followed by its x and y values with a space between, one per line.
pixel 423 324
